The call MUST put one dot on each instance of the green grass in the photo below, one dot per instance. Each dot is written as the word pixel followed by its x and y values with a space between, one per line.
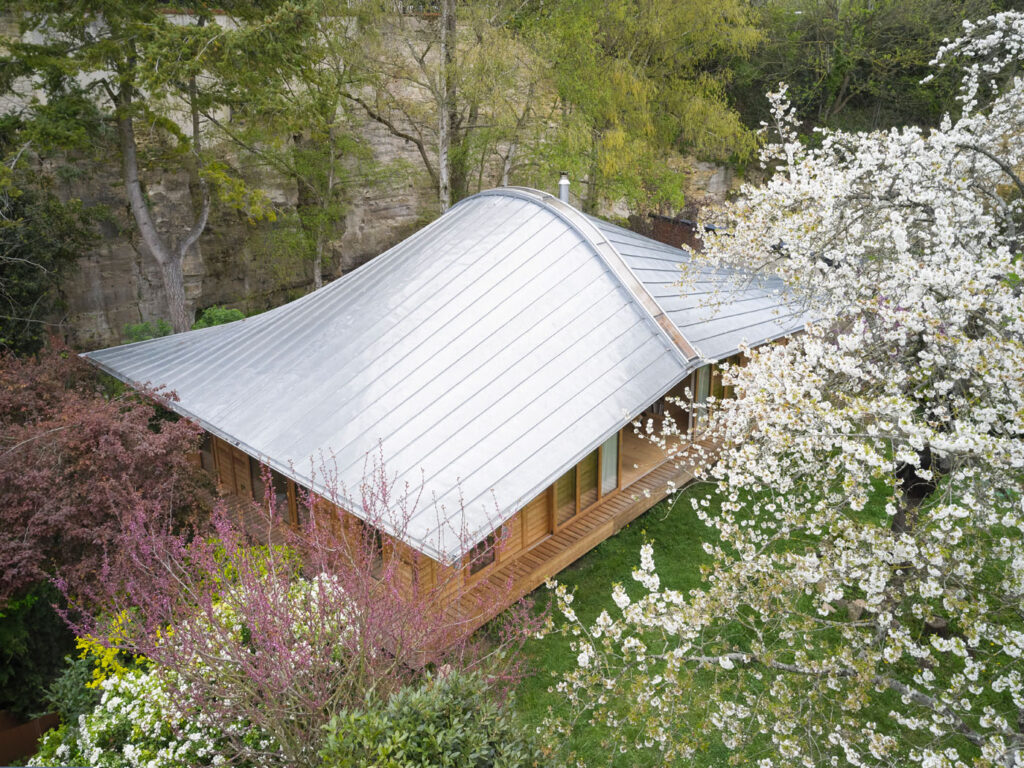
pixel 677 535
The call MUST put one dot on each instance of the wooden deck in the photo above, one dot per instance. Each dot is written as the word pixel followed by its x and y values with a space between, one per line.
pixel 545 559
pixel 528 569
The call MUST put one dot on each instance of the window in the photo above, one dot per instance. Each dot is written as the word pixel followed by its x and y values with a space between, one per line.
pixel 587 475
pixel 206 460
pixel 610 464
pixel 256 479
pixel 483 554
pixel 283 494
pixel 700 397
pixel 282 497
pixel 565 497
pixel 374 548
pixel 717 386
pixel 729 391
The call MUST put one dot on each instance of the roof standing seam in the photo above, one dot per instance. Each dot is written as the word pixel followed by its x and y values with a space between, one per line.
pixel 532 351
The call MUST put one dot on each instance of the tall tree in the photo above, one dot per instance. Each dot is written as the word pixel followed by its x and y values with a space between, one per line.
pixel 864 604
pixel 638 80
pixel 854 64
pixel 457 81
pixel 286 82
pixel 142 68
pixel 41 238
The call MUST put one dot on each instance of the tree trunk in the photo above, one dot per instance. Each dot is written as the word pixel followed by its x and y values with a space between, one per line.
pixel 318 260
pixel 446 105
pixel 590 201
pixel 506 166
pixel 174 289
pixel 170 261
pixel 915 490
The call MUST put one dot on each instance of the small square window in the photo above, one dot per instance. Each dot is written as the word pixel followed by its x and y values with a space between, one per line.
pixel 483 554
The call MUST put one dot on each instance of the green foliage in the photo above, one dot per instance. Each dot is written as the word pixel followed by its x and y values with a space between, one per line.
pixel 70 694
pixel 217 316
pixel 146 330
pixel 33 641
pixel 41 238
pixel 639 82
pixel 855 64
pixel 286 81
pixel 236 194
pixel 450 722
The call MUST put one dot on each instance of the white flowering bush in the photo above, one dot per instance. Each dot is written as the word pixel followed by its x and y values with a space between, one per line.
pixel 137 724
pixel 865 603
pixel 152 716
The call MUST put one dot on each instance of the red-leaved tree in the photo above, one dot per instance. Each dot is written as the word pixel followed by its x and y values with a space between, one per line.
pixel 73 460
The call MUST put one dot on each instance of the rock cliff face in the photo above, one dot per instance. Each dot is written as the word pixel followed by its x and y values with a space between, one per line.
pixel 249 265
pixel 236 262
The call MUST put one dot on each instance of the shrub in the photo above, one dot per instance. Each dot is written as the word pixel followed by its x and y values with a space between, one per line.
pixel 73 463
pixel 254 640
pixel 71 694
pixel 137 723
pixel 33 640
pixel 217 316
pixel 147 330
pixel 451 721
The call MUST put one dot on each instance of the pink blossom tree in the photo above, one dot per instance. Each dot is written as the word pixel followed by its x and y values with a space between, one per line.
pixel 266 643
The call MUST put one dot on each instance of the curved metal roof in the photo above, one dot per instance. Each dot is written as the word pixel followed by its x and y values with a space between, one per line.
pixel 479 359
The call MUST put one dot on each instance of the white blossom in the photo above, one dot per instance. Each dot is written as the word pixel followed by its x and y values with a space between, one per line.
pixel 871 469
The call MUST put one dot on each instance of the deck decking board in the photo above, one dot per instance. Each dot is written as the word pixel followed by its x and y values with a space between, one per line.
pixel 529 569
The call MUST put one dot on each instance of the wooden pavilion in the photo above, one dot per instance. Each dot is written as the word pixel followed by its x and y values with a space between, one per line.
pixel 495 360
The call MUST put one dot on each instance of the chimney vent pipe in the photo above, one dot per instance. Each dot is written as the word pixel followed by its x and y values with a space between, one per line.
pixel 563 187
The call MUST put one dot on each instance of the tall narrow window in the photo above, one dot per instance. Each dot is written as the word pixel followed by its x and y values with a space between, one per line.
pixel 610 464
pixel 588 480
pixel 483 554
pixel 206 454
pixel 565 497
pixel 256 479
pixel 717 387
pixel 282 502
pixel 700 397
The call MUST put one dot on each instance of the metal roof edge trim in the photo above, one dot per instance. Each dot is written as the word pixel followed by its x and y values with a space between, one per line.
pixel 611 258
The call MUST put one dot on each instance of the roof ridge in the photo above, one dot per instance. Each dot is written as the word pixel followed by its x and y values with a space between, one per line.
pixel 610 255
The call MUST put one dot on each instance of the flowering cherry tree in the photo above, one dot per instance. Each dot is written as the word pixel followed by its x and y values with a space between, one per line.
pixel 865 602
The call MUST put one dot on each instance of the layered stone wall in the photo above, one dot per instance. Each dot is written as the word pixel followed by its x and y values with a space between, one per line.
pixel 236 262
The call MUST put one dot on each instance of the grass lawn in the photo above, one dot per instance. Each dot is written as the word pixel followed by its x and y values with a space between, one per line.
pixel 677 535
